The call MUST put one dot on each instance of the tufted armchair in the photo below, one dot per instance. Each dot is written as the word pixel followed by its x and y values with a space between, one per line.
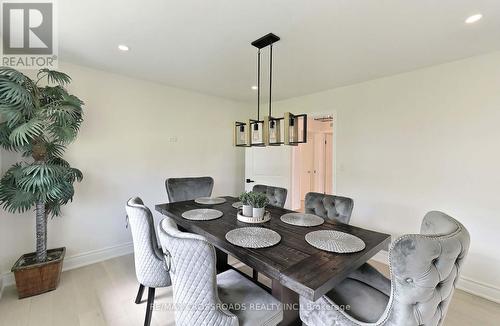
pixel 329 207
pixel 424 270
pixel 276 195
pixel 150 266
pixel 201 297
pixel 180 189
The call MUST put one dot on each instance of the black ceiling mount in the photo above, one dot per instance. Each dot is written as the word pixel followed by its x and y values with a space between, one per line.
pixel 265 40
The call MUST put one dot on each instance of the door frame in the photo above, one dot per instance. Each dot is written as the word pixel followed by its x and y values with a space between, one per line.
pixel 293 186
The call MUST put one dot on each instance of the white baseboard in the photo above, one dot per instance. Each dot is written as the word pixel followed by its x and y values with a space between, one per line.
pixel 80 260
pixel 480 289
pixel 95 256
pixel 486 291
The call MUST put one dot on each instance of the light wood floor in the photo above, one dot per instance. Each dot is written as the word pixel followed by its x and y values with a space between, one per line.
pixel 104 293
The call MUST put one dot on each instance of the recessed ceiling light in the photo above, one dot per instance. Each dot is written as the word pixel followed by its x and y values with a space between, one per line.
pixel 473 19
pixel 255 88
pixel 123 47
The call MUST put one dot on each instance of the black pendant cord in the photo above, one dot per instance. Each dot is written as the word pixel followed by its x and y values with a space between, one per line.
pixel 270 76
pixel 258 85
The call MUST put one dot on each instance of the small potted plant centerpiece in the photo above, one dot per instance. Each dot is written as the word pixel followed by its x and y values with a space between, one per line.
pixel 258 201
pixel 245 201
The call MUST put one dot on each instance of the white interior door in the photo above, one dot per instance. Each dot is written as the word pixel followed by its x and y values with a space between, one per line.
pixel 306 152
pixel 270 166
pixel 329 163
pixel 319 163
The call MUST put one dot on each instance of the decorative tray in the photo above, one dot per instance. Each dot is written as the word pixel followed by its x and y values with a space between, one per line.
pixel 252 220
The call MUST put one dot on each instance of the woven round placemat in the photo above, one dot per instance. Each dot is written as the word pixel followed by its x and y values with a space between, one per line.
pixel 253 237
pixel 335 241
pixel 302 219
pixel 202 214
pixel 210 200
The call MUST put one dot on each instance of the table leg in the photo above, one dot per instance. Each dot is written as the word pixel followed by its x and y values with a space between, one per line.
pixel 221 262
pixel 290 301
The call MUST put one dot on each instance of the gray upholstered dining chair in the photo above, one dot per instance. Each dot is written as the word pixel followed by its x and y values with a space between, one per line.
pixel 202 297
pixel 329 207
pixel 150 267
pixel 276 195
pixel 424 270
pixel 180 189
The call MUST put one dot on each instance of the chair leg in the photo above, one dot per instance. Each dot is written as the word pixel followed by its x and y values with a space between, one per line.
pixel 138 299
pixel 149 308
pixel 255 275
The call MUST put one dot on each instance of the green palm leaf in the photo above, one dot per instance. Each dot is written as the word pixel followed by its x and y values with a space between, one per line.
pixel 13 114
pixel 63 113
pixel 20 202
pixel 26 132
pixel 54 150
pixel 72 99
pixel 5 131
pixel 61 192
pixel 74 175
pixel 54 77
pixel 64 134
pixel 13 74
pixel 14 93
pixel 41 177
pixel 13 198
pixel 58 161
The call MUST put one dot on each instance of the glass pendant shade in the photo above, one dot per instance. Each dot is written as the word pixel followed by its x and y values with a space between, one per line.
pixel 295 129
pixel 256 133
pixel 240 134
pixel 272 131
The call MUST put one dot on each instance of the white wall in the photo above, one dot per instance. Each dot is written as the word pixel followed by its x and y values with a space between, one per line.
pixel 420 141
pixel 125 149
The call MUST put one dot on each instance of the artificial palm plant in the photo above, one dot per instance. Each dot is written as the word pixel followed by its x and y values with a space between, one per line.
pixel 40 118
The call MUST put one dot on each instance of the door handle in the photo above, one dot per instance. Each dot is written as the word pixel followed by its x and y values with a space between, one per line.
pixel 249 181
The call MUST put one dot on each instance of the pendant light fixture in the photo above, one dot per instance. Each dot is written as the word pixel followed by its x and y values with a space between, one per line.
pixel 270 131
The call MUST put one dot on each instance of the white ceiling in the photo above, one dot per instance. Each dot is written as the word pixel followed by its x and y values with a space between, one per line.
pixel 204 45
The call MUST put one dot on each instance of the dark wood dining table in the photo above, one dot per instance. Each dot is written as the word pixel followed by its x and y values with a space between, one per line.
pixel 294 266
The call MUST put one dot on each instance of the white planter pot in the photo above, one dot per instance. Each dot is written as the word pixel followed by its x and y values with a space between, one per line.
pixel 258 212
pixel 247 210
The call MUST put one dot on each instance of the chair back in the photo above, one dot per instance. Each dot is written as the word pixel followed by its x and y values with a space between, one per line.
pixel 149 262
pixel 181 189
pixel 192 267
pixel 424 270
pixel 275 195
pixel 329 207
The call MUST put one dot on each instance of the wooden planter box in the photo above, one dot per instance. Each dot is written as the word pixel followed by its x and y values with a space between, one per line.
pixel 37 278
